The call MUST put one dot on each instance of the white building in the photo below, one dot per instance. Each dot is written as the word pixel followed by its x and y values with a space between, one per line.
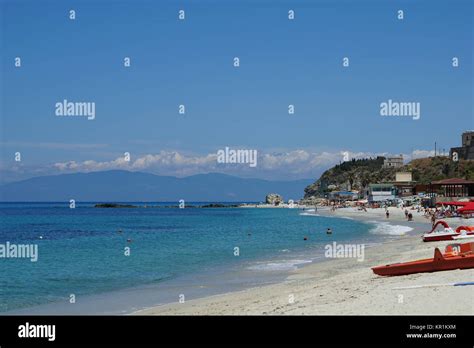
pixel 393 162
pixel 381 192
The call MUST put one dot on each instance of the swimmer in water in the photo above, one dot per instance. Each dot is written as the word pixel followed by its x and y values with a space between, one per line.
pixel 328 231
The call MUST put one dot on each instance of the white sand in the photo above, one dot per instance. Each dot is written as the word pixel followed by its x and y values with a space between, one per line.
pixel 346 286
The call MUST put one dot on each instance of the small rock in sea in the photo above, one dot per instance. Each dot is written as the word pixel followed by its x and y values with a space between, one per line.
pixel 273 199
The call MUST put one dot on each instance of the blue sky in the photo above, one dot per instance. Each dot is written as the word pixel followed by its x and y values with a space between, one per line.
pixel 190 62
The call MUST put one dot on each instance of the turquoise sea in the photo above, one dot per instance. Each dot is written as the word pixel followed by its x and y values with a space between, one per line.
pixel 192 252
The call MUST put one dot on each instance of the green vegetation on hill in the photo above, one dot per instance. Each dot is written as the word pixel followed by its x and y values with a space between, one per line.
pixel 358 173
pixel 437 168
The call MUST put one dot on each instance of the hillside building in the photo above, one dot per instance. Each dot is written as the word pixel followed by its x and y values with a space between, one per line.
pixel 393 162
pixel 466 151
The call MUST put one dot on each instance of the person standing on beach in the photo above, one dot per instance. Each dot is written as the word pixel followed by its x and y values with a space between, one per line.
pixel 433 219
pixel 406 213
pixel 387 214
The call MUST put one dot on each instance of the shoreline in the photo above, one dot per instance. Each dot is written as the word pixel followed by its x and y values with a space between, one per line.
pixel 347 286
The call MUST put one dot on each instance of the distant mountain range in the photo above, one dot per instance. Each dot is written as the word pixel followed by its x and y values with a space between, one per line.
pixel 125 186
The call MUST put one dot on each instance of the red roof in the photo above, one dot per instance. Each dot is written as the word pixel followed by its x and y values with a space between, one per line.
pixel 453 181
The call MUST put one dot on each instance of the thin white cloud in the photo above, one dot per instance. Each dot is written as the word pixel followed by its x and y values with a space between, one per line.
pixel 276 165
pixel 421 154
pixel 292 164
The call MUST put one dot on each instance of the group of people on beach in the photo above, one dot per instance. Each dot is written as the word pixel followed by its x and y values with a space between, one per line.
pixel 408 215
pixel 433 214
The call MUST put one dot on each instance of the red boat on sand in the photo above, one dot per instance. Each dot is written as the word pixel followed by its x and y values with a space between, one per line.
pixel 447 233
pixel 456 256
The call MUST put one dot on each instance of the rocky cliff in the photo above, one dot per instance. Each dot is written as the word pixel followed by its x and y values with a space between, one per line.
pixel 357 174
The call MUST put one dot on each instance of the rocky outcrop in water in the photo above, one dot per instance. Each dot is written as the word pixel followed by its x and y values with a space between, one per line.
pixel 273 199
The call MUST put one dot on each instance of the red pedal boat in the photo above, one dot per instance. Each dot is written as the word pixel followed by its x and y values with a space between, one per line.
pixel 447 233
pixel 456 256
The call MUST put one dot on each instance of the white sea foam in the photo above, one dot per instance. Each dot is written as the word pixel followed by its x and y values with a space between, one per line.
pixel 309 214
pixel 388 229
pixel 314 213
pixel 280 265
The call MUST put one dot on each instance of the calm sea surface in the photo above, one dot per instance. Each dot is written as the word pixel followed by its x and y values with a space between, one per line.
pixel 82 251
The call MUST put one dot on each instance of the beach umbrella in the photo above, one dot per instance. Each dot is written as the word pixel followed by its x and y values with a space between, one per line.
pixel 467 209
pixel 456 203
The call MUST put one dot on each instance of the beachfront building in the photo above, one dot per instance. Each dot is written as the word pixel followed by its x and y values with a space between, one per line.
pixel 451 189
pixel 403 177
pixel 381 192
pixel 393 162
pixel 404 184
pixel 466 151
pixel 343 196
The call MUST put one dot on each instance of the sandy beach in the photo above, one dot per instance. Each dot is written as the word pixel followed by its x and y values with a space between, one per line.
pixel 349 287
